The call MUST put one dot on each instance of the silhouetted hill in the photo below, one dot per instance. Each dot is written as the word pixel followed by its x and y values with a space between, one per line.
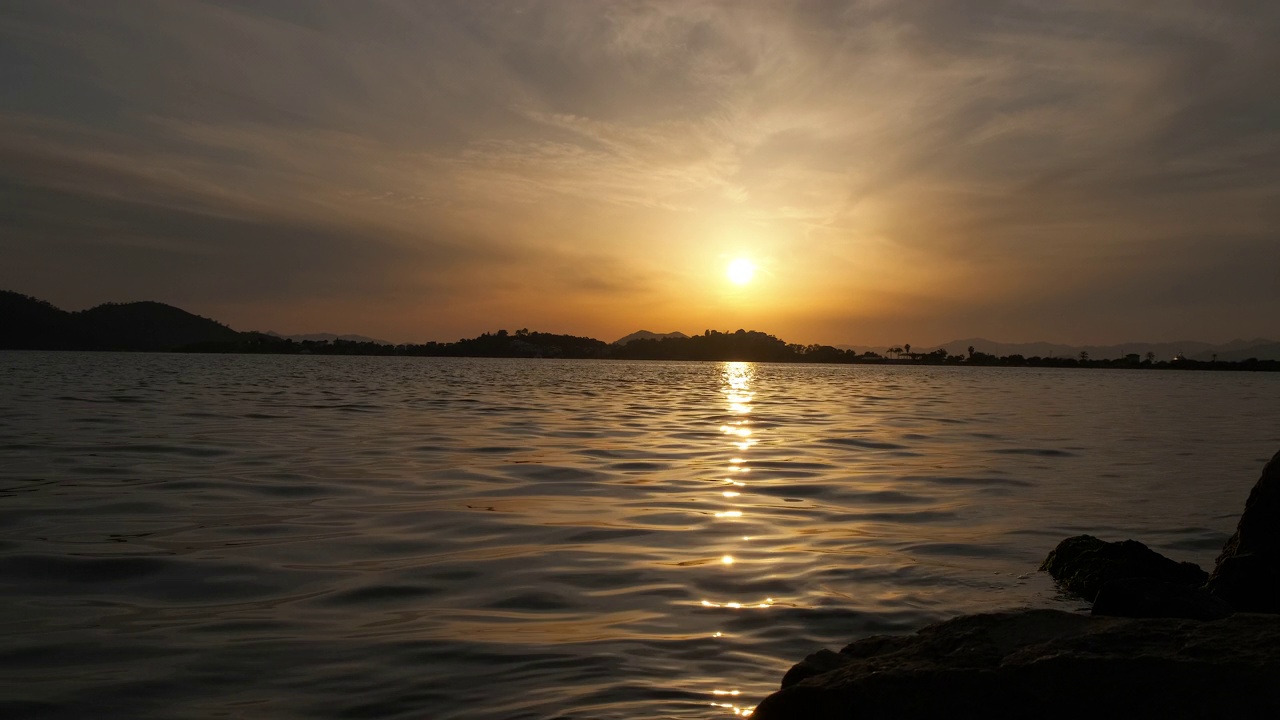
pixel 646 335
pixel 523 343
pixel 711 345
pixel 149 326
pixel 30 324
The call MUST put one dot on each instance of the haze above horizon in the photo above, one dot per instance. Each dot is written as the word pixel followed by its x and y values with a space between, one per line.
pixel 831 172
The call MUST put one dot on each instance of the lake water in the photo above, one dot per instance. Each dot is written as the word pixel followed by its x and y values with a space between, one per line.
pixel 330 537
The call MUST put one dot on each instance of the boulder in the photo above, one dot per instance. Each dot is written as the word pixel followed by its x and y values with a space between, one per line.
pixel 1083 564
pixel 1046 664
pixel 1247 573
pixel 1144 597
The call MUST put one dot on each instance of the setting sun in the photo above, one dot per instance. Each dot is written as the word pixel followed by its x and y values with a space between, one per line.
pixel 741 271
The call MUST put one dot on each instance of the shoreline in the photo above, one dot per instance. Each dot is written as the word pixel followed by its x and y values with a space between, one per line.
pixel 1055 363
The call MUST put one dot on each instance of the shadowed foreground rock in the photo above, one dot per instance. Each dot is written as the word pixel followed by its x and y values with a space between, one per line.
pixel 1143 597
pixel 1044 664
pixel 1248 571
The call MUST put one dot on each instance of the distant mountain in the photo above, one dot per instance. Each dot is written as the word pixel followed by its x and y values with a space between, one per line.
pixel 1263 350
pixel 646 335
pixel 28 323
pixel 1259 348
pixel 328 337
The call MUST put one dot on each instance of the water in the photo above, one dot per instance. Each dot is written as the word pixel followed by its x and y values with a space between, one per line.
pixel 329 537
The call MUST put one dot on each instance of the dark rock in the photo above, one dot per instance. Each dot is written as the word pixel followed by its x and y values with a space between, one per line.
pixel 1144 597
pixel 1083 564
pixel 1247 573
pixel 1048 664
pixel 822 661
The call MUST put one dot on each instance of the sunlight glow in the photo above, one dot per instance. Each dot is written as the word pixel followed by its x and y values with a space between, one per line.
pixel 740 271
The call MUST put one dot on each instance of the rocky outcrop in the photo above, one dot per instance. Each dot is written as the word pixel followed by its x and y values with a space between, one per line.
pixel 1247 574
pixel 1139 597
pixel 1044 664
pixel 1084 564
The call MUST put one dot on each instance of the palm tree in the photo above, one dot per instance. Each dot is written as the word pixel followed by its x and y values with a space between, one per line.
pixel 970 352
pixel 908 348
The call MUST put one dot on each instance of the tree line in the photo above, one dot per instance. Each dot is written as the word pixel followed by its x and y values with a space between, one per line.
pixel 711 345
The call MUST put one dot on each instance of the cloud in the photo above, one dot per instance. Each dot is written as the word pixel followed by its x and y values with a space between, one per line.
pixel 987 163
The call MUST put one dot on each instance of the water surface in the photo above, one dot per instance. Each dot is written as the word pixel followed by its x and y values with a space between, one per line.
pixel 333 537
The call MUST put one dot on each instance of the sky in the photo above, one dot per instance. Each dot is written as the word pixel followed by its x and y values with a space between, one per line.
pixel 1076 172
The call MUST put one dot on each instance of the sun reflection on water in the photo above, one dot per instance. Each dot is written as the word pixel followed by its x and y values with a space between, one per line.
pixel 736 379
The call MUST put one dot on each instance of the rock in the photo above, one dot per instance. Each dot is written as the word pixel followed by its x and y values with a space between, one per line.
pixel 1083 564
pixel 1145 597
pixel 1047 664
pixel 822 661
pixel 1247 573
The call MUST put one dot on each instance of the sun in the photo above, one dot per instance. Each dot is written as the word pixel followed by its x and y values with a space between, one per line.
pixel 740 271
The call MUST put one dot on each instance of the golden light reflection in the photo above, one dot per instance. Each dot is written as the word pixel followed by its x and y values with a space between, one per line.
pixel 735 605
pixel 737 380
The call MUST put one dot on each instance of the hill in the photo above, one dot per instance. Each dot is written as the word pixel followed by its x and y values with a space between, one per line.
pixel 646 335
pixel 149 326
pixel 30 324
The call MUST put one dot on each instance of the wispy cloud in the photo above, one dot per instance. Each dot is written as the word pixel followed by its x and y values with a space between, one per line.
pixel 896 167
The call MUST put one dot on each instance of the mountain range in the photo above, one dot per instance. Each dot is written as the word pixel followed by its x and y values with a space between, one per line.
pixel 29 323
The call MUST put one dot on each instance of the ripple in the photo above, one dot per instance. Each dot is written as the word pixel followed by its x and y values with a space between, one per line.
pixel 863 443
pixel 464 539
pixel 1042 452
pixel 382 594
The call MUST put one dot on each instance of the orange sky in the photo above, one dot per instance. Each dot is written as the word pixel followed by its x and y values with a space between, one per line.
pixel 898 172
